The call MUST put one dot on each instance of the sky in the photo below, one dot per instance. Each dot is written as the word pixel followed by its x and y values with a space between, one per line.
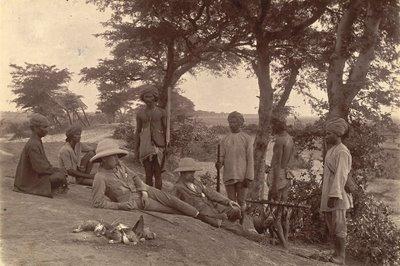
pixel 62 32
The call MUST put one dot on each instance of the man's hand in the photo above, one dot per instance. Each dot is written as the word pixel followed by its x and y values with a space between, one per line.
pixel 126 206
pixel 218 165
pixel 145 199
pixel 233 204
pixel 332 202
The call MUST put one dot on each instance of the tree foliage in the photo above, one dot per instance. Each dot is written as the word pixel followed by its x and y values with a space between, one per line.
pixel 36 86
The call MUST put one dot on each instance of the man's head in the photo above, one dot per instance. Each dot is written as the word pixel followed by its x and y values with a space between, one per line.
pixel 39 125
pixel 335 129
pixel 277 125
pixel 149 94
pixel 236 121
pixel 74 133
pixel 108 153
pixel 187 167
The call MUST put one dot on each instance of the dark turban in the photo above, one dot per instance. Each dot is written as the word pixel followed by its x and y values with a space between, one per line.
pixel 73 130
pixel 337 125
pixel 236 115
pixel 38 120
pixel 149 89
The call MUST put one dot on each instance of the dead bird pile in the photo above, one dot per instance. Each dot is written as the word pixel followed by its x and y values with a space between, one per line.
pixel 117 232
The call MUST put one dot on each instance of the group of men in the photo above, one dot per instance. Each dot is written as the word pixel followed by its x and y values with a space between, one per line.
pixel 115 186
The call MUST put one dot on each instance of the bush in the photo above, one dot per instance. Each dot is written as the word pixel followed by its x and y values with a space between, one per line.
pixel 207 180
pixel 191 138
pixel 125 131
pixel 220 129
pixel 19 130
pixel 373 236
pixel 250 129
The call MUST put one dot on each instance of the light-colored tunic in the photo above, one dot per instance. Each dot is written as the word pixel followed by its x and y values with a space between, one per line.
pixel 237 158
pixel 70 159
pixel 336 169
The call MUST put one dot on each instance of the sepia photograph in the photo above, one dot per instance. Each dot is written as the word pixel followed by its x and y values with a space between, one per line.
pixel 200 132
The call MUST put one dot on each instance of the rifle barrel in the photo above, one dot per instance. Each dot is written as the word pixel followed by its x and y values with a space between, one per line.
pixel 280 203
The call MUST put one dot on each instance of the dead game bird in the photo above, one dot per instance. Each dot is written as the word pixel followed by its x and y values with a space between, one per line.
pixel 118 232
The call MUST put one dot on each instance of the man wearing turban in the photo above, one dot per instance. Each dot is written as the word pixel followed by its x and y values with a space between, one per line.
pixel 35 174
pixel 334 199
pixel 150 142
pixel 70 156
pixel 237 159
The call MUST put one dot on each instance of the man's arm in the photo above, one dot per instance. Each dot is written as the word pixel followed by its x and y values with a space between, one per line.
pixel 39 162
pixel 139 184
pixel 214 195
pixel 342 170
pixel 249 160
pixel 78 174
pixel 86 147
pixel 137 135
pixel 276 163
pixel 99 199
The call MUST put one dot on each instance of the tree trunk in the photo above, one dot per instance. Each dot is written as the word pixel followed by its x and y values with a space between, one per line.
pixel 340 93
pixel 86 118
pixel 69 116
pixel 79 118
pixel 262 70
pixel 169 75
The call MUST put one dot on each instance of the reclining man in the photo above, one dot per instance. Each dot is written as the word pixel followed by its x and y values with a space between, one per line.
pixel 70 158
pixel 117 187
pixel 35 175
pixel 215 209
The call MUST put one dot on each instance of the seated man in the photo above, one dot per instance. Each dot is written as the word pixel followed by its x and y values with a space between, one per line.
pixel 70 159
pixel 215 209
pixel 117 187
pixel 35 174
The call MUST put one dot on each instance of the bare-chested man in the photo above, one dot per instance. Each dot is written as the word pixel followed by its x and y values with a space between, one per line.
pixel 278 181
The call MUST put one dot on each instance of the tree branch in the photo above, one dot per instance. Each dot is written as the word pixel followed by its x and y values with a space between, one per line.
pixel 291 80
pixel 358 73
pixel 294 30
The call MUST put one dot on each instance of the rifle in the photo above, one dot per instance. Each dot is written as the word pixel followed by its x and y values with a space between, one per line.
pixel 168 129
pixel 218 172
pixel 280 203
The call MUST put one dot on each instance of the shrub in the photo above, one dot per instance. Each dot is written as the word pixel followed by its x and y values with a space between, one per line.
pixel 207 180
pixel 125 131
pixel 250 129
pixel 19 130
pixel 373 236
pixel 220 129
pixel 191 138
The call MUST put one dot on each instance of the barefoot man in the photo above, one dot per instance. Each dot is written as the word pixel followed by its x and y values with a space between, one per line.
pixel 278 178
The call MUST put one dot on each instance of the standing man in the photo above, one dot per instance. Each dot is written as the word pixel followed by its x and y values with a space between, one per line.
pixel 150 142
pixel 35 175
pixel 237 159
pixel 278 177
pixel 334 199
pixel 70 157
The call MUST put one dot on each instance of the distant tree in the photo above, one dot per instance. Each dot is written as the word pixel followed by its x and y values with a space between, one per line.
pixel 72 103
pixel 37 85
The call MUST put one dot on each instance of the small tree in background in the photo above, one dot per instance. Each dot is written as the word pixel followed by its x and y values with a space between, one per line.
pixel 37 85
